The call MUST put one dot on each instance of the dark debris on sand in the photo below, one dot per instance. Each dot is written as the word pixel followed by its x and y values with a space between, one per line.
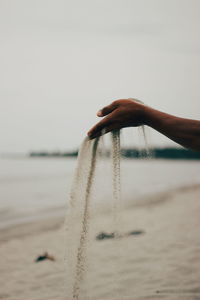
pixel 104 235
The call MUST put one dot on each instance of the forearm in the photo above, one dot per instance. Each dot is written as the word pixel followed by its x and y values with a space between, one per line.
pixel 185 132
pixel 129 112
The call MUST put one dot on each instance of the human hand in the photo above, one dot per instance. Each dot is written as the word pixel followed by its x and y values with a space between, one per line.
pixel 119 114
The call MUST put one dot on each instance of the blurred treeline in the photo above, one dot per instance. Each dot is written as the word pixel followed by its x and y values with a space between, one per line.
pixel 162 153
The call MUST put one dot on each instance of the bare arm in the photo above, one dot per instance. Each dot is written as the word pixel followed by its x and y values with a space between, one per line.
pixel 128 113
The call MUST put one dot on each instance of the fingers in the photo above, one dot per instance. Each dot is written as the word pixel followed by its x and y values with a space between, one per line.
pixel 103 124
pixel 103 127
pixel 99 127
pixel 107 109
pixel 104 131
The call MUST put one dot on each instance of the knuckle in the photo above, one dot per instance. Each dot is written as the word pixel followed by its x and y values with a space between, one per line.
pixel 116 102
pixel 104 109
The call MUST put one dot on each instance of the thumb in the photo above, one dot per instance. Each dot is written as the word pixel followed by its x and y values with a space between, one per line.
pixel 107 109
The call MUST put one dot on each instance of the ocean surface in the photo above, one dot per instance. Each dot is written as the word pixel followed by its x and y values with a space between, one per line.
pixel 38 188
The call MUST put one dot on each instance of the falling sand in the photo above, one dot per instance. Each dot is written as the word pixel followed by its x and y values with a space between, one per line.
pixel 78 217
pixel 116 179
pixel 81 255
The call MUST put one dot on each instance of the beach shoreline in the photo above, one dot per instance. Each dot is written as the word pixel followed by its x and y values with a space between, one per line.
pixel 160 263
pixel 48 222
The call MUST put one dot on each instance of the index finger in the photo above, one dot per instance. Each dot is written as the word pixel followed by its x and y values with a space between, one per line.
pixel 107 109
pixel 96 130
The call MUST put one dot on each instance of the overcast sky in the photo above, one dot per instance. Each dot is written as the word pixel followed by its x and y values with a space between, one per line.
pixel 61 60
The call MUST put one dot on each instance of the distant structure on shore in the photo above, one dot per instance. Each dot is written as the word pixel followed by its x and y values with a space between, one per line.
pixel 53 154
pixel 159 153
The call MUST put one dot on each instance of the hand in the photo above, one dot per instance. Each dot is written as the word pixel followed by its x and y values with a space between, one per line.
pixel 119 114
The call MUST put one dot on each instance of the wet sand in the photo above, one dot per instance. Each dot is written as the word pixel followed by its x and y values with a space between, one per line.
pixel 161 263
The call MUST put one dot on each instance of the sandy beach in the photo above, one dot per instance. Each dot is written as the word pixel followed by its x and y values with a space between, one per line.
pixel 160 263
pixel 119 215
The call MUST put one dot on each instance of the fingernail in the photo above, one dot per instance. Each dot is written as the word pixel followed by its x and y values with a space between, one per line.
pixel 89 135
pixel 99 113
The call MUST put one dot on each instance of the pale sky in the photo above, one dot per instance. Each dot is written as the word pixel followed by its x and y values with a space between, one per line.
pixel 61 61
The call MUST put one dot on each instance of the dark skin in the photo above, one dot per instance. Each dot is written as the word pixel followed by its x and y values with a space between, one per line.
pixel 131 113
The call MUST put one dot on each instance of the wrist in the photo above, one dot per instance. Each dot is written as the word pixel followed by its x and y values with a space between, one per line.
pixel 157 119
pixel 146 115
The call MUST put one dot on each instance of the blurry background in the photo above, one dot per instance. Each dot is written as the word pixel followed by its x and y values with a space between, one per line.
pixel 61 61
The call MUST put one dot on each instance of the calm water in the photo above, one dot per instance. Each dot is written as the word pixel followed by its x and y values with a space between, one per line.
pixel 37 188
